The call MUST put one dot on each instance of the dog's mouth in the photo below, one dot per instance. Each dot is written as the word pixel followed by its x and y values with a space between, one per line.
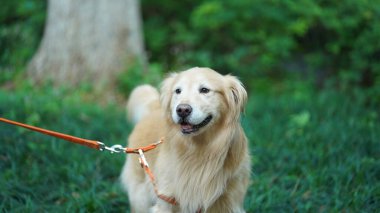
pixel 188 128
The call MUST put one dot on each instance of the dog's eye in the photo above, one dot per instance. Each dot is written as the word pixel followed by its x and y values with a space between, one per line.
pixel 204 90
pixel 178 91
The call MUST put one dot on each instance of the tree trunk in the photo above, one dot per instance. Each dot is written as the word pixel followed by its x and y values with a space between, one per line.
pixel 88 40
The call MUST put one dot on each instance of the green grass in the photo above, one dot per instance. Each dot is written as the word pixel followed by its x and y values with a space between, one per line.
pixel 311 152
pixel 42 174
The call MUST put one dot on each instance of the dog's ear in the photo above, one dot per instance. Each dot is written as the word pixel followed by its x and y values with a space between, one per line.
pixel 236 97
pixel 165 91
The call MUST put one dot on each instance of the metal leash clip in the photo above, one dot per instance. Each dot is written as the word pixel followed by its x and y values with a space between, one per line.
pixel 117 148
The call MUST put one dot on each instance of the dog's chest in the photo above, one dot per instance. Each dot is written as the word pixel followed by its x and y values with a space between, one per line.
pixel 199 180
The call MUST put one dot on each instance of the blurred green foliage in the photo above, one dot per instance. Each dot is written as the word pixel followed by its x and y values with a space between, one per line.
pixel 137 75
pixel 334 43
pixel 327 40
pixel 21 28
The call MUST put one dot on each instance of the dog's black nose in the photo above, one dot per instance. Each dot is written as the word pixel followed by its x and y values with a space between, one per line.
pixel 184 110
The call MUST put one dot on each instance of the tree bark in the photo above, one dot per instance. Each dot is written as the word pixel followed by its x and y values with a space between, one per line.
pixel 88 40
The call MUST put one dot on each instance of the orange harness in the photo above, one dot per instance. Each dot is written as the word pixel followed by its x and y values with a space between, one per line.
pixel 101 146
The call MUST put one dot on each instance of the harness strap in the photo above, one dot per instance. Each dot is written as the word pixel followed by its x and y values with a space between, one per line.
pixel 144 164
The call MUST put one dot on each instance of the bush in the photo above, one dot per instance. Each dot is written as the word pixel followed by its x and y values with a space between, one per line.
pixel 137 75
pixel 327 39
pixel 21 28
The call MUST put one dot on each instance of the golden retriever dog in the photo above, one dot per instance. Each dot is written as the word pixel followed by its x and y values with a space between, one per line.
pixel 204 162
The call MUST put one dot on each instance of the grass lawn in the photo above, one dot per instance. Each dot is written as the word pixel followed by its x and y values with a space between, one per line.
pixel 311 152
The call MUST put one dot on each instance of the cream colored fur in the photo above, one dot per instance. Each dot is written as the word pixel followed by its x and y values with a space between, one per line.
pixel 206 170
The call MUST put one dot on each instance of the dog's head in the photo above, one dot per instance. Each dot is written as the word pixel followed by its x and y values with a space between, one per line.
pixel 198 98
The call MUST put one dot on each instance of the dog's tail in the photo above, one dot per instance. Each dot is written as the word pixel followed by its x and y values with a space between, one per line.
pixel 142 100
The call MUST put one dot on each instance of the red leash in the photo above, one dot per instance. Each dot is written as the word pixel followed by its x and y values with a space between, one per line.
pixel 101 146
pixel 85 142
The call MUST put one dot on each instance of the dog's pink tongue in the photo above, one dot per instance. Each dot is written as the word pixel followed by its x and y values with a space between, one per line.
pixel 186 126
